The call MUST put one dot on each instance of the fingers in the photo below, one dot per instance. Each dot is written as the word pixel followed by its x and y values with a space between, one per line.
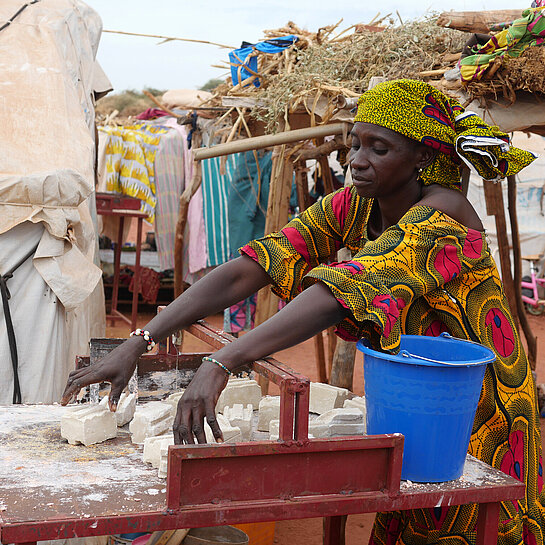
pixel 76 381
pixel 182 425
pixel 197 427
pixel 213 423
pixel 189 422
pixel 115 393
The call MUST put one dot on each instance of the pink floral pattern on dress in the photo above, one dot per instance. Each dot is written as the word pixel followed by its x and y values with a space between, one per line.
pixel 436 328
pixel 513 460
pixel 502 332
pixel 447 263
pixel 473 244
pixel 389 305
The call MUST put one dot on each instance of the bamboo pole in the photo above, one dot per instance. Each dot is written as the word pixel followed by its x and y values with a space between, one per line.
pixel 269 140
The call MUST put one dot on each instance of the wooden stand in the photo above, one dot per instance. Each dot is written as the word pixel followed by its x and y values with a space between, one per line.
pixel 123 207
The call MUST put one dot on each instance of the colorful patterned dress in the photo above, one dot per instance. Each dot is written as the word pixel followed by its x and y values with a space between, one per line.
pixel 425 275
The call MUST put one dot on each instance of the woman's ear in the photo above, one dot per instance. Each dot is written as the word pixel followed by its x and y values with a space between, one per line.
pixel 427 156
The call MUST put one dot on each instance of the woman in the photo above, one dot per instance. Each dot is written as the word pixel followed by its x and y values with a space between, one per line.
pixel 421 265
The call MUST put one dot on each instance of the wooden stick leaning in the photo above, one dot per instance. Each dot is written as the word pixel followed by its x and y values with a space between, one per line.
pixel 270 140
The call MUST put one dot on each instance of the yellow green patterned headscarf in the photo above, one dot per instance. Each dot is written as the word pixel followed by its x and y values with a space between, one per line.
pixel 421 112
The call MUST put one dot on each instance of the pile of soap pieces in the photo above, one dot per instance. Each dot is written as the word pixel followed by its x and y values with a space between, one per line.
pixel 90 424
pixel 338 414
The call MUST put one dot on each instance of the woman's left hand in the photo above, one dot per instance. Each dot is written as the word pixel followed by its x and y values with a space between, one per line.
pixel 199 401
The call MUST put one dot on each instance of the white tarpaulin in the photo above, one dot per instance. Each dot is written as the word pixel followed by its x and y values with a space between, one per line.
pixel 48 75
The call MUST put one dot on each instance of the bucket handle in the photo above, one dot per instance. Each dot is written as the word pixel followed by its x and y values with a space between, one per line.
pixel 407 354
pixel 445 335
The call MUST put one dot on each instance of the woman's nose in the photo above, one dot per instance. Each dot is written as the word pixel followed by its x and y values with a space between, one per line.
pixel 358 160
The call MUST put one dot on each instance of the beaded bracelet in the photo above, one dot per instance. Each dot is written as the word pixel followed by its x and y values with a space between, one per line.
pixel 212 360
pixel 147 337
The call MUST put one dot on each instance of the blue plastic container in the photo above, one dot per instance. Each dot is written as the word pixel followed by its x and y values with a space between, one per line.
pixel 432 403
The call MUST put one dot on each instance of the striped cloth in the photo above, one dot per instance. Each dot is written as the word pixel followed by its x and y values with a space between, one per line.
pixel 215 188
pixel 170 182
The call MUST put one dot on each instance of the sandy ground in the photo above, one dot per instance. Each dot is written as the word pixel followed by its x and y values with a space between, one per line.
pixel 302 358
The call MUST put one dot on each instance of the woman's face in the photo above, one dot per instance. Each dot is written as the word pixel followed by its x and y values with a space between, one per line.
pixel 383 162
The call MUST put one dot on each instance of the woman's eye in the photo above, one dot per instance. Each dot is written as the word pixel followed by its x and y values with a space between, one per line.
pixel 380 151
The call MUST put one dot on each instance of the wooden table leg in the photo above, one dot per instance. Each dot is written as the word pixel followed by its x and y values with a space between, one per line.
pixel 134 314
pixel 117 265
pixel 487 523
pixel 334 528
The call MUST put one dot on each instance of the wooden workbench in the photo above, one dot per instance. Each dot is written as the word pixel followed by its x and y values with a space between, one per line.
pixel 52 490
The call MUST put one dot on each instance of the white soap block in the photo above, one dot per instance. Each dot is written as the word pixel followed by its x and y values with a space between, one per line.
pixel 154 418
pixel 242 391
pixel 163 463
pixel 125 408
pixel 324 397
pixel 338 422
pixel 88 425
pixel 357 403
pixel 173 399
pixel 240 417
pixel 269 409
pixel 274 429
pixel 231 434
pixel 162 471
pixel 153 446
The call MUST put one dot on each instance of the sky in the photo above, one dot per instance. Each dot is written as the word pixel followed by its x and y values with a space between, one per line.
pixel 136 62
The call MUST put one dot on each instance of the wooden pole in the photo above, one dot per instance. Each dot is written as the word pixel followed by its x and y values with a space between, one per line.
pixel 531 340
pixel 181 222
pixel 277 217
pixel 270 140
pixel 477 21
pixel 495 207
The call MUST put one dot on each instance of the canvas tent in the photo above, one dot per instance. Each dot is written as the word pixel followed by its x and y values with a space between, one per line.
pixel 49 78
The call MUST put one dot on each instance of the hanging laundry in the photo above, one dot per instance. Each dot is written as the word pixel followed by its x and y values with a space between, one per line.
pixel 128 163
pixel 248 198
pixel 152 113
pixel 215 190
pixel 244 63
pixel 170 181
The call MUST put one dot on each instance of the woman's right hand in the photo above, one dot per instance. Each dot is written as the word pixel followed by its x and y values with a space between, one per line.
pixel 116 368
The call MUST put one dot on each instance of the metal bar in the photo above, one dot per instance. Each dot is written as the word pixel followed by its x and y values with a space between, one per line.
pixel 311 468
pixel 395 464
pixel 302 400
pixel 287 413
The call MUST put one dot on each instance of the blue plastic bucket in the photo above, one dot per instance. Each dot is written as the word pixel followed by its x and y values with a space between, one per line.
pixel 429 393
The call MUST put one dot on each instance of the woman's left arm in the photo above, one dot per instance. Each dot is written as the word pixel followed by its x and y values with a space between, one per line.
pixel 314 310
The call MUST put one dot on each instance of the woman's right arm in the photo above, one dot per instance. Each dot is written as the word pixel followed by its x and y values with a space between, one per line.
pixel 224 286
